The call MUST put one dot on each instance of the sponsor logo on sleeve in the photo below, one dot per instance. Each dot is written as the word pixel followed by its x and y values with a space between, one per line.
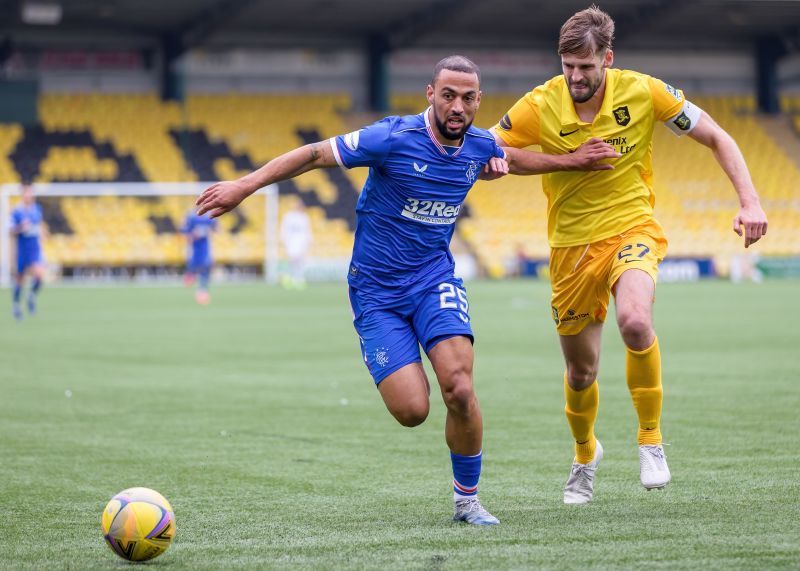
pixel 683 122
pixel 505 123
pixel 351 140
pixel 674 92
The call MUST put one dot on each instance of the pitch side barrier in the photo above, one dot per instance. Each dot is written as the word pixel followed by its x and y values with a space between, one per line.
pixel 672 269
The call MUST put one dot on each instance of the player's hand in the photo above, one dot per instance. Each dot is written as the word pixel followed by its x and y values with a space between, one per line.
pixel 494 169
pixel 587 157
pixel 221 197
pixel 754 220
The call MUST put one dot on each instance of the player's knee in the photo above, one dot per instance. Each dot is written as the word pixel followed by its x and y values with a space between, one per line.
pixel 636 330
pixel 581 376
pixel 458 393
pixel 412 414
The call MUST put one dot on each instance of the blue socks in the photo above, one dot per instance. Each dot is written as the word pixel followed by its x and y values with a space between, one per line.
pixel 37 283
pixel 466 472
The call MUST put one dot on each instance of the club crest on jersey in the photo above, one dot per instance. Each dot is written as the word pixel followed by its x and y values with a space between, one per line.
pixel 622 116
pixel 472 171
pixel 351 140
pixel 382 356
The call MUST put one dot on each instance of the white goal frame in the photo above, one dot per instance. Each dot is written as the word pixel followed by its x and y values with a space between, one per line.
pixel 271 229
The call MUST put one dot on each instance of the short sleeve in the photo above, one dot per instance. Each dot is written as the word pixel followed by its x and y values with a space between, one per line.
pixel 667 101
pixel 497 151
pixel 367 147
pixel 520 126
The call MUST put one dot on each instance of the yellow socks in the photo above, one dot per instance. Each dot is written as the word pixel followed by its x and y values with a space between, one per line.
pixel 643 371
pixel 581 410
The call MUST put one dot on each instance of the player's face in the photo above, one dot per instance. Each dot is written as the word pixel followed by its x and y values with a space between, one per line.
pixel 27 195
pixel 454 97
pixel 585 74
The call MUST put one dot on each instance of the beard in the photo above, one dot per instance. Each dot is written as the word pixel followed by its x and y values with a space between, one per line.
pixel 586 95
pixel 446 131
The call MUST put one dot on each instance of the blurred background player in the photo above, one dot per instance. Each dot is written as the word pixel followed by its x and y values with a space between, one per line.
pixel 296 237
pixel 28 226
pixel 600 225
pixel 198 230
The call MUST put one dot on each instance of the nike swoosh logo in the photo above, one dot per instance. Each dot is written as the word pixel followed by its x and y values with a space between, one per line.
pixel 563 134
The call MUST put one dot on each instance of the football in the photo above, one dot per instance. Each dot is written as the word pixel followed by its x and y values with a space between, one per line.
pixel 138 524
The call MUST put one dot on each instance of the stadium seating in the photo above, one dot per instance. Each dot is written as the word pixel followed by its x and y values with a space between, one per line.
pixel 92 137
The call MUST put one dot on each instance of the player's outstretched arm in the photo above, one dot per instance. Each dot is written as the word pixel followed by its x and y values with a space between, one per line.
pixel 730 158
pixel 224 196
pixel 587 157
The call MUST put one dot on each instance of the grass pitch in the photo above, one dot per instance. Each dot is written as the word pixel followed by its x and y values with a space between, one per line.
pixel 256 418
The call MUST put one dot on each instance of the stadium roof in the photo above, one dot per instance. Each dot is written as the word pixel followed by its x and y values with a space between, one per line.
pixel 505 24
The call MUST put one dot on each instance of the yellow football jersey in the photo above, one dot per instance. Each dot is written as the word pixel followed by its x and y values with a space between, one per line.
pixel 584 207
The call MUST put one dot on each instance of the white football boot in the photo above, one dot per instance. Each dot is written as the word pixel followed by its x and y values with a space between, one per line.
pixel 580 484
pixel 471 511
pixel 653 469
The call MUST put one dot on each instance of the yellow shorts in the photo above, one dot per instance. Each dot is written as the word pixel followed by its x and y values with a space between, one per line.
pixel 583 277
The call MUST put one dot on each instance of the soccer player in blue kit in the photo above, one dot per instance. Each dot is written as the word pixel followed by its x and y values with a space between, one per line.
pixel 403 291
pixel 27 224
pixel 198 230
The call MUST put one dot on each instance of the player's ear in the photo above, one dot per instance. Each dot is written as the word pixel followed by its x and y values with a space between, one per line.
pixel 608 59
pixel 478 99
pixel 429 94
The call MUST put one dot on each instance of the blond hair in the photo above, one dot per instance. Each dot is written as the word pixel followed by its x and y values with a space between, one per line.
pixel 586 33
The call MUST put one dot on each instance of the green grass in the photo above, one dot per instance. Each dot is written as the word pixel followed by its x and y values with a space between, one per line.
pixel 257 419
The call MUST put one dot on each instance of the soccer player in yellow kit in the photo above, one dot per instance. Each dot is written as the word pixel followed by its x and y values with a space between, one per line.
pixel 600 225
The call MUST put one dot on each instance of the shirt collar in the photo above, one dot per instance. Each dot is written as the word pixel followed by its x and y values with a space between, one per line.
pixel 436 142
pixel 569 117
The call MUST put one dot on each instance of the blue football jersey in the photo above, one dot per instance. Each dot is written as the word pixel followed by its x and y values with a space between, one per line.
pixel 199 228
pixel 28 219
pixel 414 193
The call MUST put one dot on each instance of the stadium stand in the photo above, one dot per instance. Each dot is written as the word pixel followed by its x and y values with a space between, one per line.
pixel 92 137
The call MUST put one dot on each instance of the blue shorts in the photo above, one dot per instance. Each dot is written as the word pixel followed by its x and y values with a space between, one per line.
pixel 198 264
pixel 392 331
pixel 27 259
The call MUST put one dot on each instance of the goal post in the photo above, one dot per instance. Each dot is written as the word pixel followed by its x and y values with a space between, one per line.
pixel 269 235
